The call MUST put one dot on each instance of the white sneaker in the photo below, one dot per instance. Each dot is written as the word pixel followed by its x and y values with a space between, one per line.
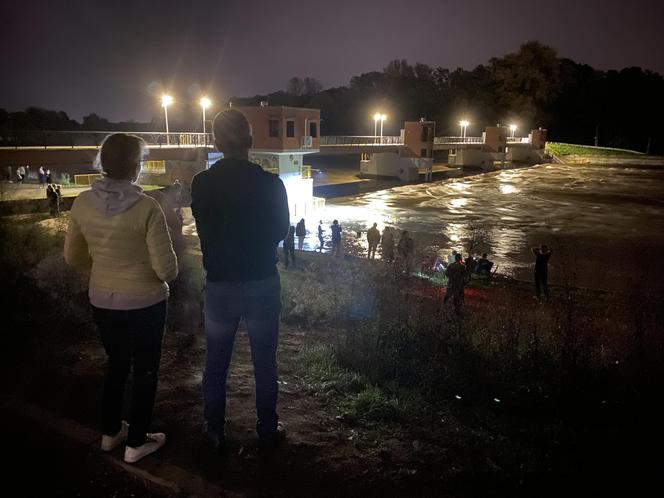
pixel 152 443
pixel 109 443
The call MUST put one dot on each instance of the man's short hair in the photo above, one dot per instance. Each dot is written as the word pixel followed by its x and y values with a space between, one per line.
pixel 231 128
pixel 457 257
pixel 120 155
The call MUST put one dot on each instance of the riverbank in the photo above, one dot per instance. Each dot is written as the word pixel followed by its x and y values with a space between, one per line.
pixel 384 390
pixel 591 155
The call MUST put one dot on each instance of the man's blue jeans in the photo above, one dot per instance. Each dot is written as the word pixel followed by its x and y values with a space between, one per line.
pixel 258 303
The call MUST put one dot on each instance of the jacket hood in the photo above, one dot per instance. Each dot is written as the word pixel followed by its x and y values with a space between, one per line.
pixel 112 197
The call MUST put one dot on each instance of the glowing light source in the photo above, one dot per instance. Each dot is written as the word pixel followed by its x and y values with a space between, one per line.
pixel 205 103
pixel 513 128
pixel 464 124
pixel 166 100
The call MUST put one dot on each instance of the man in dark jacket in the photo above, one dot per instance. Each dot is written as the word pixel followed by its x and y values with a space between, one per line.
pixel 241 216
pixel 373 238
pixel 457 277
pixel 301 232
pixel 289 246
pixel 542 255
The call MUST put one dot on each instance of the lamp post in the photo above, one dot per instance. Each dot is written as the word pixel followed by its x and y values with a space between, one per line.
pixel 166 100
pixel 464 126
pixel 513 128
pixel 205 103
pixel 376 119
pixel 383 117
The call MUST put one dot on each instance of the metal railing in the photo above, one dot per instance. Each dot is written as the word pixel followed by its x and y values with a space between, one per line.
pixel 58 138
pixel 305 171
pixel 458 140
pixel 518 140
pixel 86 180
pixel 154 167
pixel 333 140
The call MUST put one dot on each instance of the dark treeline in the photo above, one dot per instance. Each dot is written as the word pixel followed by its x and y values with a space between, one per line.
pixel 532 88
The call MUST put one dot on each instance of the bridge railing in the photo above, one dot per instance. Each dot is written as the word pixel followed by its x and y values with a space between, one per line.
pixel 332 140
pixel 458 140
pixel 518 140
pixel 59 138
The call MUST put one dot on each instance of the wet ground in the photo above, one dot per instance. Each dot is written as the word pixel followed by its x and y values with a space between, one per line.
pixel 605 224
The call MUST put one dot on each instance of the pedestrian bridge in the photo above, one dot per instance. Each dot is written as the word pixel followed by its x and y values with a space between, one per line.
pixel 76 147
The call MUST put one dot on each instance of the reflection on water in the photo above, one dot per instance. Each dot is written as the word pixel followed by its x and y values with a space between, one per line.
pixel 606 222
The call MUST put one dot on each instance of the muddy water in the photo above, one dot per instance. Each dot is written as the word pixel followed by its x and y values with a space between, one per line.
pixel 605 224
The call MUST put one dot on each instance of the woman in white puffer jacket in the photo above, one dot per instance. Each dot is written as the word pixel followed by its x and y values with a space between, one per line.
pixel 119 235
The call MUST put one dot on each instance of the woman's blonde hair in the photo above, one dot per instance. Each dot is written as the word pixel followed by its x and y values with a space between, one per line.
pixel 120 156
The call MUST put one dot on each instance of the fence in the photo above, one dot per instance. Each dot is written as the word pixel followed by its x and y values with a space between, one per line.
pixel 154 167
pixel 86 180
pixel 305 171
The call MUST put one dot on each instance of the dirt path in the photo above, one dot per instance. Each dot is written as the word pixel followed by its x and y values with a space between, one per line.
pixel 320 458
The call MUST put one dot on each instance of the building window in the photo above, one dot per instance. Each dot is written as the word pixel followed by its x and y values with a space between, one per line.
pixel 313 129
pixel 426 133
pixel 423 153
pixel 273 127
pixel 290 128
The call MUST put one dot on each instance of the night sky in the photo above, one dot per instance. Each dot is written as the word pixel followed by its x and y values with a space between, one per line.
pixel 113 57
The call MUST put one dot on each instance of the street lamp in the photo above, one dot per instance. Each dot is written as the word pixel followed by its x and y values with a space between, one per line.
pixel 166 100
pixel 376 119
pixel 383 117
pixel 205 103
pixel 464 125
pixel 513 128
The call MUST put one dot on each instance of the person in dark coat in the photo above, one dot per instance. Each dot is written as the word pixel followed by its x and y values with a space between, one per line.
pixel 542 255
pixel 457 276
pixel 301 232
pixel 289 246
pixel 241 214
pixel 373 239
pixel 320 236
pixel 336 238
pixel 387 245
pixel 484 265
pixel 405 251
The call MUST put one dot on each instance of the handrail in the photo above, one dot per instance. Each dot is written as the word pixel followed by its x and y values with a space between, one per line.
pixel 458 140
pixel 62 138
pixel 340 140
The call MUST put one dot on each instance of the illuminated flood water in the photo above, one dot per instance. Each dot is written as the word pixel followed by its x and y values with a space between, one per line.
pixel 605 224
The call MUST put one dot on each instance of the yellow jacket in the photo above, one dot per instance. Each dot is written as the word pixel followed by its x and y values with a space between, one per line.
pixel 120 235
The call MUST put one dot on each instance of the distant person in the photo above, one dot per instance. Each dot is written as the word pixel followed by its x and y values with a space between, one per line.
pixel 54 196
pixel 373 239
pixel 174 218
pixel 387 245
pixel 301 232
pixel 452 257
pixel 20 174
pixel 336 238
pixel 405 251
pixel 41 174
pixel 241 214
pixel 542 255
pixel 484 265
pixel 289 246
pixel 321 233
pixel 119 234
pixel 471 264
pixel 48 175
pixel 457 276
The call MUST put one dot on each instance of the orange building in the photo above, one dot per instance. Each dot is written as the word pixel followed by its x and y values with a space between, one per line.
pixel 282 128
